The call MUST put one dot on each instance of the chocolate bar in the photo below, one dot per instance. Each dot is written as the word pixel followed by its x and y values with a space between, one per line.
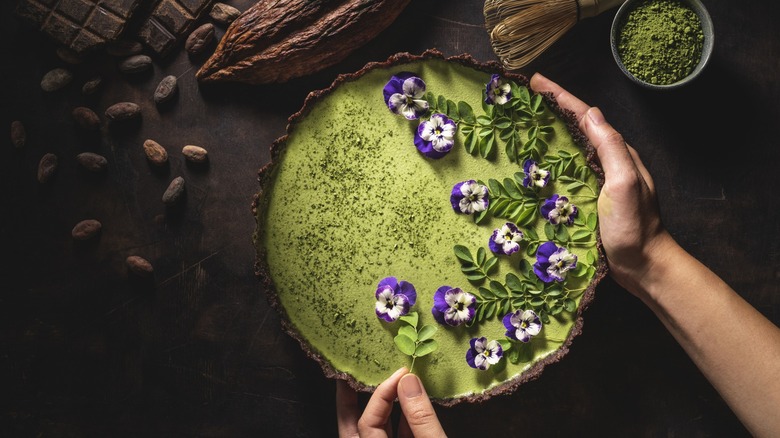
pixel 80 25
pixel 169 22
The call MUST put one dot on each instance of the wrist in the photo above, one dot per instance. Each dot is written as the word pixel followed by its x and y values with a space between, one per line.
pixel 649 279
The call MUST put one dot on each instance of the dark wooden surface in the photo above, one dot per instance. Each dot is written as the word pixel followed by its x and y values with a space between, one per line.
pixel 87 351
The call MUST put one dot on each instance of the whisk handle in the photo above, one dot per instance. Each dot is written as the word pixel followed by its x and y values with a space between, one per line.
pixel 591 8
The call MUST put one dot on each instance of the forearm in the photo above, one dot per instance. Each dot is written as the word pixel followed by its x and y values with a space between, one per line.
pixel 734 346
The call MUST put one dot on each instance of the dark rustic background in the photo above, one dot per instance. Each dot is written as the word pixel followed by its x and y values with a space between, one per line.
pixel 87 351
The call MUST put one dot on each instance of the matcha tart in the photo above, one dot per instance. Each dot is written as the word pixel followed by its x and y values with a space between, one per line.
pixel 432 213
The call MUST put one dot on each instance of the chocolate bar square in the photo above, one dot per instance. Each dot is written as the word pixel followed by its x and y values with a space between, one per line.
pixel 169 22
pixel 80 25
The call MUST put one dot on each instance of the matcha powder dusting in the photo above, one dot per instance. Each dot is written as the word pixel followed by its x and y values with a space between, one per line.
pixel 661 41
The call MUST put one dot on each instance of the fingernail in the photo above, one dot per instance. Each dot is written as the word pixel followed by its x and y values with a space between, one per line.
pixel 595 116
pixel 410 386
pixel 401 370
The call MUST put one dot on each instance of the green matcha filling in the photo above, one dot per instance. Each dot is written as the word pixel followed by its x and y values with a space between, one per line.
pixel 353 201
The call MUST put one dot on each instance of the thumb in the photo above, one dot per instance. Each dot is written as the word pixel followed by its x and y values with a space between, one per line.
pixel 417 408
pixel 609 144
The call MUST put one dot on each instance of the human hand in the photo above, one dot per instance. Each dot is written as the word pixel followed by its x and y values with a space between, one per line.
pixel 634 238
pixel 418 417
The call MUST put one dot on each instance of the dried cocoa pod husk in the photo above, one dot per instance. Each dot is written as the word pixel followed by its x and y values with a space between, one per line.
pixel 278 41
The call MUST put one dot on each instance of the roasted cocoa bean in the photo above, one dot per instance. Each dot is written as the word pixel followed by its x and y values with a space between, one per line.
pixel 195 154
pixel 86 118
pixel 199 38
pixel 166 89
pixel 56 79
pixel 224 14
pixel 124 48
pixel 69 56
pixel 135 64
pixel 91 86
pixel 92 161
pixel 86 229
pixel 18 134
pixel 139 266
pixel 46 168
pixel 174 191
pixel 155 153
pixel 123 111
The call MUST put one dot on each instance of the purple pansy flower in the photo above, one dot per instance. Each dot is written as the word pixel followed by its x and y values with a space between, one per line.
pixel 452 306
pixel 435 137
pixel 469 196
pixel 483 353
pixel 534 175
pixel 552 262
pixel 506 240
pixel 497 92
pixel 403 94
pixel 558 210
pixel 522 325
pixel 394 298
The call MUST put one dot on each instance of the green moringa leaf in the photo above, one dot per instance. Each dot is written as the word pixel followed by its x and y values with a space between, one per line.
pixel 406 345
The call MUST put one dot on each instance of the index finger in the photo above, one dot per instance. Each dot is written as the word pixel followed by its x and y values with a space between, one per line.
pixel 379 406
pixel 565 99
pixel 609 144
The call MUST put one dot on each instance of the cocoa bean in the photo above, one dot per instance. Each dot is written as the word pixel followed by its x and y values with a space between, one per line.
pixel 155 153
pixel 18 134
pixel 86 229
pixel 91 86
pixel 124 48
pixel 166 89
pixel 135 64
pixel 139 266
pixel 46 168
pixel 56 79
pixel 174 191
pixel 69 56
pixel 86 118
pixel 195 154
pixel 224 14
pixel 123 111
pixel 199 38
pixel 92 162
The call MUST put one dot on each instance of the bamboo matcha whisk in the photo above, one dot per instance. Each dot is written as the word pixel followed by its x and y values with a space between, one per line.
pixel 520 30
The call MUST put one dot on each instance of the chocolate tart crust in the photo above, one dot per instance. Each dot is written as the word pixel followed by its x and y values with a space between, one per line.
pixel 265 177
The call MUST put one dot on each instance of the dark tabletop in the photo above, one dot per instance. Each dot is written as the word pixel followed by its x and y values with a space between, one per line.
pixel 86 350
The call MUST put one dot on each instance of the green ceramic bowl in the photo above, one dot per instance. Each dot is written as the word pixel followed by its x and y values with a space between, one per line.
pixel 706 23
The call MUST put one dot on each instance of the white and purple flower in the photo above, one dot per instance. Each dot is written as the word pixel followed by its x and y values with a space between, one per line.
pixel 506 240
pixel 483 353
pixel 534 175
pixel 469 196
pixel 558 210
pixel 435 137
pixel 553 263
pixel 452 306
pixel 403 94
pixel 497 92
pixel 394 298
pixel 522 325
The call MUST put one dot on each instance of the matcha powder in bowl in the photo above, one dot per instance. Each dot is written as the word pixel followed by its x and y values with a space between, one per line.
pixel 662 43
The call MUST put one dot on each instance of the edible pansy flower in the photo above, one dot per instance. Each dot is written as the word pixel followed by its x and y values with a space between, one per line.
pixel 394 298
pixel 435 137
pixel 522 325
pixel 506 240
pixel 452 306
pixel 497 92
pixel 534 175
pixel 403 94
pixel 483 353
pixel 552 262
pixel 558 210
pixel 469 196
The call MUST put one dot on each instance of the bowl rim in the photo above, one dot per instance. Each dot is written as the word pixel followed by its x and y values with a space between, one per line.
pixel 709 38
